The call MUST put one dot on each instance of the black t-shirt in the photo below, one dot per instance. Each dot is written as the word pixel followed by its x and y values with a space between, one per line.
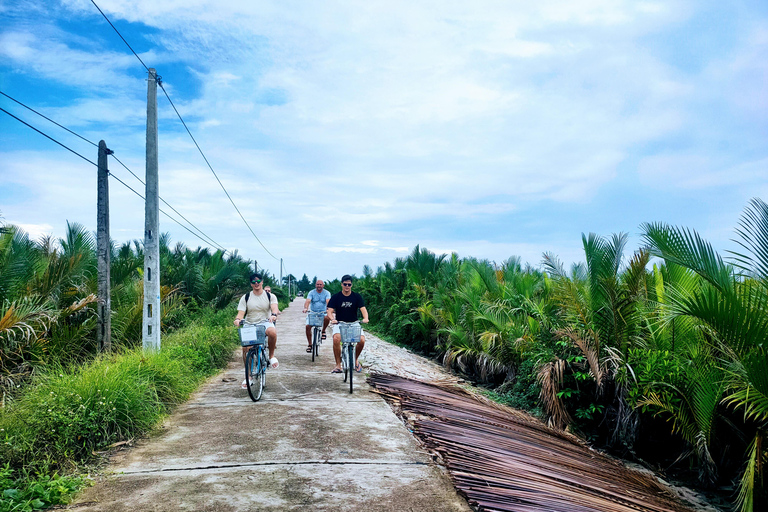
pixel 346 306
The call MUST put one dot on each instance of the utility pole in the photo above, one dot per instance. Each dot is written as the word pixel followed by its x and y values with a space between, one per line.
pixel 281 271
pixel 151 312
pixel 104 329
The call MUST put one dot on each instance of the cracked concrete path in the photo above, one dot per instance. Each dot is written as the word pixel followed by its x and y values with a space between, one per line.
pixel 307 445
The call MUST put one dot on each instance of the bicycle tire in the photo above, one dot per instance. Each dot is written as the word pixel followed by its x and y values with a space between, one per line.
pixel 264 366
pixel 319 342
pixel 351 364
pixel 252 375
pixel 344 362
pixel 314 343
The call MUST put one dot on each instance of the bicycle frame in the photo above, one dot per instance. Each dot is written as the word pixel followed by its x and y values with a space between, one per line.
pixel 316 319
pixel 350 337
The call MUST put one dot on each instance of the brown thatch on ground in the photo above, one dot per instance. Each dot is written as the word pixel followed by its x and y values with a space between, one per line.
pixel 506 461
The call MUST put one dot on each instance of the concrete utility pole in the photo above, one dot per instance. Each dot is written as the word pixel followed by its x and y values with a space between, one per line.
pixel 281 271
pixel 151 313
pixel 104 330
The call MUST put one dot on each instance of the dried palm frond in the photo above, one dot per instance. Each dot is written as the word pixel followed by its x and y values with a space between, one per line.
pixel 550 378
pixel 503 461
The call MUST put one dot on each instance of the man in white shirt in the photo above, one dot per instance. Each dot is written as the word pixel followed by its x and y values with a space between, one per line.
pixel 259 307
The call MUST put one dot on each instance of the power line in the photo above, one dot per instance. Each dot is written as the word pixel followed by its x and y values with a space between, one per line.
pixel 49 119
pixel 214 172
pixel 209 239
pixel 121 37
pixel 49 137
pixel 190 133
pixel 110 173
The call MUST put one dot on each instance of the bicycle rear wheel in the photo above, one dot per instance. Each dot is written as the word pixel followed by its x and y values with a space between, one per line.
pixel 351 364
pixel 253 376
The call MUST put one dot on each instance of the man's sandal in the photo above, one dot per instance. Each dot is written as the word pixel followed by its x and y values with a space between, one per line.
pixel 309 349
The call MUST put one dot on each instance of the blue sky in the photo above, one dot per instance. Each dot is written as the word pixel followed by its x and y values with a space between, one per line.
pixel 349 132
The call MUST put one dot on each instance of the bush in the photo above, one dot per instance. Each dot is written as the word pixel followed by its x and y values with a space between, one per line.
pixel 67 415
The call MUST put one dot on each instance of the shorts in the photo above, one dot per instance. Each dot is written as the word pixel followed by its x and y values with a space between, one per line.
pixel 266 323
pixel 337 330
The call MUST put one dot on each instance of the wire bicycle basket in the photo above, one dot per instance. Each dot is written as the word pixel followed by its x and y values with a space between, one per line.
pixel 350 333
pixel 253 335
pixel 316 318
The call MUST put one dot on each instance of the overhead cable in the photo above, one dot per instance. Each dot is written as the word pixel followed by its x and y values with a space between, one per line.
pixel 205 238
pixel 214 172
pixel 121 37
pixel 97 165
pixel 190 133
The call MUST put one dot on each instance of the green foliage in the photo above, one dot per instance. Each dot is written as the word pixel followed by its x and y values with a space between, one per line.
pixel 68 414
pixel 35 492
pixel 48 297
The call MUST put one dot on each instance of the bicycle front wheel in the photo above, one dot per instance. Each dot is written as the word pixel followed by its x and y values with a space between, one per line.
pixel 344 361
pixel 315 334
pixel 351 364
pixel 263 368
pixel 253 377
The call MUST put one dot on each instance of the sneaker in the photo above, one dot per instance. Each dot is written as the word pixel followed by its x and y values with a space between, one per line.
pixel 244 385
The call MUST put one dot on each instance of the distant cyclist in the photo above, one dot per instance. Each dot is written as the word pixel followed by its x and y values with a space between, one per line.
pixel 317 300
pixel 343 307
pixel 259 307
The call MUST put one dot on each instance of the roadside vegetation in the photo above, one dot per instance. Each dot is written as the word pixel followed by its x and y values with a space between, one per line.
pixel 657 355
pixel 64 404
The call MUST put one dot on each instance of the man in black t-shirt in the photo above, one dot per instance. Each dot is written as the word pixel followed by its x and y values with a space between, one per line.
pixel 343 307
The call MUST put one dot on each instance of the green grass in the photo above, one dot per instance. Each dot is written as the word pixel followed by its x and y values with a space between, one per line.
pixel 66 415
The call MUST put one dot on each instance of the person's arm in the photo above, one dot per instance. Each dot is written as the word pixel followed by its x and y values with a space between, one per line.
pixel 240 316
pixel 273 306
pixel 331 315
pixel 365 314
pixel 306 305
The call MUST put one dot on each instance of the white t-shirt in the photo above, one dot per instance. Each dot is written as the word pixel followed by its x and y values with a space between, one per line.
pixel 258 307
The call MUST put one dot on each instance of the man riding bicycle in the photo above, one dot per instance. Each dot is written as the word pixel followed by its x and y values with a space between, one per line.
pixel 259 307
pixel 343 307
pixel 317 300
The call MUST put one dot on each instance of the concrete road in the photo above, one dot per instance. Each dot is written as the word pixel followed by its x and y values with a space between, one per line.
pixel 307 445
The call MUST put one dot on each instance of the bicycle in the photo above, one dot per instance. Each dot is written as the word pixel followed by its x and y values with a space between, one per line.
pixel 316 319
pixel 350 337
pixel 256 361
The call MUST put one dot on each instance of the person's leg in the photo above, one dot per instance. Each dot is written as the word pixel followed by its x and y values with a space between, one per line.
pixel 309 335
pixel 326 321
pixel 358 349
pixel 337 349
pixel 245 353
pixel 271 341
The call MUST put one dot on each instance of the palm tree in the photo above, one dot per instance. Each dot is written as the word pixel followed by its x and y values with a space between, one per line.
pixel 731 305
pixel 601 316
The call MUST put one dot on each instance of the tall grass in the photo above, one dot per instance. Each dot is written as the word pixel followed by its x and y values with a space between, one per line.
pixel 67 415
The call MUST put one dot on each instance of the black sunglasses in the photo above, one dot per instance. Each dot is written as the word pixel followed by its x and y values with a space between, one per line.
pixel 255 281
pixel 346 284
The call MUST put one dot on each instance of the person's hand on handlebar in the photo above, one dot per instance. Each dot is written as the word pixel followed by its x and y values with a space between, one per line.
pixel 238 322
pixel 364 321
